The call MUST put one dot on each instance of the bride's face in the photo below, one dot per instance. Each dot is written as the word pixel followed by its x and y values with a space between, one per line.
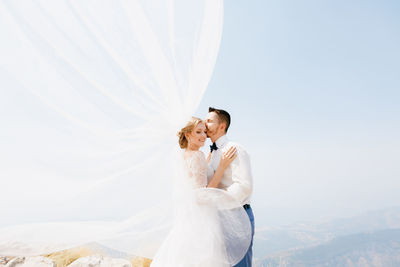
pixel 199 135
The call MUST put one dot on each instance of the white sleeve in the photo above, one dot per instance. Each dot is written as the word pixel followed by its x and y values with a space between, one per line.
pixel 242 186
pixel 198 169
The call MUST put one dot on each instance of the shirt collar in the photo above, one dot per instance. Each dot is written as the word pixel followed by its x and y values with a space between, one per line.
pixel 221 141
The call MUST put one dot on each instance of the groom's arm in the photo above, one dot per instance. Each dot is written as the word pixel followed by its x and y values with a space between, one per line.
pixel 242 179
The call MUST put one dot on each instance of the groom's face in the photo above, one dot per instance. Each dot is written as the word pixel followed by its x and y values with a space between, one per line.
pixel 212 124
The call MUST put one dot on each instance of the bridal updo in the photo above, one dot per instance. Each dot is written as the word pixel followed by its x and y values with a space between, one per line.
pixel 183 142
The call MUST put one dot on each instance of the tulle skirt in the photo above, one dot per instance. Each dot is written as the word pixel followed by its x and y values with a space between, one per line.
pixel 210 231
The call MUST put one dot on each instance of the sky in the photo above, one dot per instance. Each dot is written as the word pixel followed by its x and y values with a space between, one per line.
pixel 313 88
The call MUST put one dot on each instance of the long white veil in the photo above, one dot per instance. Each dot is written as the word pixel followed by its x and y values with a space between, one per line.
pixel 92 94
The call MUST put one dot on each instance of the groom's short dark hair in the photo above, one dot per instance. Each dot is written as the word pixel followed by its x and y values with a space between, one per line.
pixel 223 116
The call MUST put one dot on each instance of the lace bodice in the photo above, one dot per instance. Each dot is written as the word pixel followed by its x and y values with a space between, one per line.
pixel 197 168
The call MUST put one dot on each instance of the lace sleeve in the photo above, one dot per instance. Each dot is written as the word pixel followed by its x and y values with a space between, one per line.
pixel 197 166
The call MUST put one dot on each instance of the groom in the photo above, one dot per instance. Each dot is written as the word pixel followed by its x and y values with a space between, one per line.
pixel 237 178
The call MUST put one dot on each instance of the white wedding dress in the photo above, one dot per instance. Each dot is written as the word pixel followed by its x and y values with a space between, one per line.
pixel 210 228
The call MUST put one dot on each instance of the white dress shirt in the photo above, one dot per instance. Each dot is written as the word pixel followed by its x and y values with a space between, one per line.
pixel 237 178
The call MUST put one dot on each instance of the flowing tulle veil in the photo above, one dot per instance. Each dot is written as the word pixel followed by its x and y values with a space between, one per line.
pixel 92 94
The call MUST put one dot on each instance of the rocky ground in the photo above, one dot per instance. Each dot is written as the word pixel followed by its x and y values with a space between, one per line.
pixel 73 258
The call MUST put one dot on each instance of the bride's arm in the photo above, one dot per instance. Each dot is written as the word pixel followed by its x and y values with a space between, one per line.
pixel 209 157
pixel 226 159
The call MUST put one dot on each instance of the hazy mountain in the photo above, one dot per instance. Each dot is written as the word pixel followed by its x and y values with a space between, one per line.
pixel 380 248
pixel 277 242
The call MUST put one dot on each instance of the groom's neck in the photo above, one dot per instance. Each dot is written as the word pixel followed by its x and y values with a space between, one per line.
pixel 215 138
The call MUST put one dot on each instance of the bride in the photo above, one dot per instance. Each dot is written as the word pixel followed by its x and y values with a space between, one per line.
pixel 210 228
pixel 79 161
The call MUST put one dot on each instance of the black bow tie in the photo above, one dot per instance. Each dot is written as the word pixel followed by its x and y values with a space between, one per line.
pixel 213 147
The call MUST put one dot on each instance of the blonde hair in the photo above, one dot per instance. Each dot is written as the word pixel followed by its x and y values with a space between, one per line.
pixel 183 142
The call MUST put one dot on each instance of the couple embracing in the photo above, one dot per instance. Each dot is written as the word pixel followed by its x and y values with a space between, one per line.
pixel 214 223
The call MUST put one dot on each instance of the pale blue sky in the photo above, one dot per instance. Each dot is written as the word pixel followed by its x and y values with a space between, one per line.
pixel 313 88
pixel 314 91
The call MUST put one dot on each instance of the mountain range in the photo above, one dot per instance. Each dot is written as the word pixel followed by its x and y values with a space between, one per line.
pixel 368 239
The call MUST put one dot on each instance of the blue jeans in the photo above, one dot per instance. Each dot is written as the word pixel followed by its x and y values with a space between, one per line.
pixel 247 260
